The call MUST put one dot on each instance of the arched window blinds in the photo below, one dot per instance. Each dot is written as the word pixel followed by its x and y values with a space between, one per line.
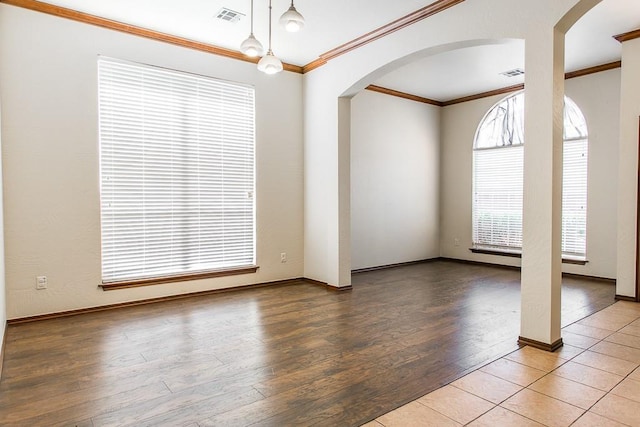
pixel 498 154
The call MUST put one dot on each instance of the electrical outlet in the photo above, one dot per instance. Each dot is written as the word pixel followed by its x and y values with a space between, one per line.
pixel 41 282
pixel 283 257
pixel 456 242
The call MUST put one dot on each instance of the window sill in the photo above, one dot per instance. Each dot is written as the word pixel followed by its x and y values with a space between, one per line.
pixel 515 254
pixel 125 284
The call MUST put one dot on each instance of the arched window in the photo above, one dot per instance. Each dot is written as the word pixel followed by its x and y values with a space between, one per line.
pixel 498 154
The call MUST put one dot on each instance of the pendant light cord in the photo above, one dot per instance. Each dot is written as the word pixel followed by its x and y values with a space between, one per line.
pixel 252 17
pixel 269 25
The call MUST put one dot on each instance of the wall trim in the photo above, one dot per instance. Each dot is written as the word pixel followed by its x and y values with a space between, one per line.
pixel 592 70
pixel 400 264
pixel 285 282
pixel 326 285
pixel 570 75
pixel 63 12
pixel 595 278
pixel 541 345
pixel 418 15
pixel 404 95
pixel 626 298
pixel 86 18
pixel 3 347
pixel 479 263
pixel 487 94
pixel 67 313
pixel 515 267
pixel 338 288
pixel 628 36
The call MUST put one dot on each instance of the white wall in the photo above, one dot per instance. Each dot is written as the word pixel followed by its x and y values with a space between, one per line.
pixel 628 169
pixel 48 79
pixel 394 180
pixel 3 299
pixel 598 96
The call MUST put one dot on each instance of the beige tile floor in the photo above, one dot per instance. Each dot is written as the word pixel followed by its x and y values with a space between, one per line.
pixel 594 380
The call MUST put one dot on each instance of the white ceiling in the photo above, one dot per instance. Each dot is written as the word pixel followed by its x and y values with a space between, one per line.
pixel 330 23
pixel 459 73
pixel 474 70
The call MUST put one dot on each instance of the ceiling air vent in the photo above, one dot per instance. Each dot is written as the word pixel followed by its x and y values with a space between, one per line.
pixel 229 15
pixel 513 73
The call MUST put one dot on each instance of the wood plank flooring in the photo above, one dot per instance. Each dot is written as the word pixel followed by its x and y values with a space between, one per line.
pixel 286 355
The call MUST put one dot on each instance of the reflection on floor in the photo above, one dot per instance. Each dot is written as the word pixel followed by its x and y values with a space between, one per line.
pixel 594 380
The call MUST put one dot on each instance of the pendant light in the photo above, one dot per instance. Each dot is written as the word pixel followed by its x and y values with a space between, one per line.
pixel 292 20
pixel 269 64
pixel 251 46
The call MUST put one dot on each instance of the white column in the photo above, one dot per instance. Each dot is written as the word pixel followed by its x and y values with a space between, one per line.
pixel 339 201
pixel 628 169
pixel 344 192
pixel 542 221
pixel 327 176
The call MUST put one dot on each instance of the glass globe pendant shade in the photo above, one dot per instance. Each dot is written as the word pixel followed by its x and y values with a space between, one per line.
pixel 292 20
pixel 269 64
pixel 251 46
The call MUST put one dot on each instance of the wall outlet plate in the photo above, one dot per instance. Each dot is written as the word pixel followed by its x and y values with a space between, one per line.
pixel 41 282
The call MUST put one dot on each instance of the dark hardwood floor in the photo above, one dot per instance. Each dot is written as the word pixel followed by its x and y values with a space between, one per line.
pixel 285 355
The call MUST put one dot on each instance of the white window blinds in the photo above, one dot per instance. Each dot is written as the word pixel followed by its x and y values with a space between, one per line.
pixel 497 213
pixel 177 172
pixel 498 160
pixel 574 198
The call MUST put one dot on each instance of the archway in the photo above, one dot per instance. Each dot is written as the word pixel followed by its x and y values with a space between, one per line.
pixel 327 182
pixel 395 153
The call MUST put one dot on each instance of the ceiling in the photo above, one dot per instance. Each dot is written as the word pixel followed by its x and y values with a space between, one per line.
pixel 446 76
pixel 331 23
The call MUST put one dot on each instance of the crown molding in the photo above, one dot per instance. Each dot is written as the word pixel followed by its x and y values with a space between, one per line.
pixel 86 18
pixel 420 14
pixel 481 95
pixel 628 36
pixel 63 12
pixel 404 95
pixel 567 76
pixel 509 89
pixel 592 70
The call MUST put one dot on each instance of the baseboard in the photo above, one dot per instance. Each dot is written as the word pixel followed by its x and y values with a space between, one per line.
pixel 480 263
pixel 515 267
pixel 541 345
pixel 595 278
pixel 400 264
pixel 339 288
pixel 326 285
pixel 2 348
pixel 150 301
pixel 626 298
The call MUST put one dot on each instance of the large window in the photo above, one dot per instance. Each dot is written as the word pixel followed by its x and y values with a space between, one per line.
pixel 498 155
pixel 177 173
